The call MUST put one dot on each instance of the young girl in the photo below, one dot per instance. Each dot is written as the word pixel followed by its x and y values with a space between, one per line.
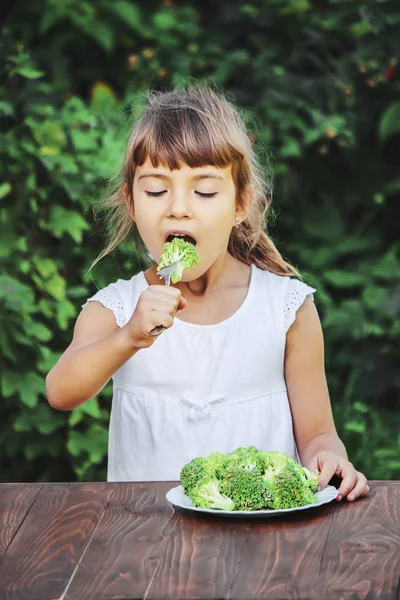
pixel 241 360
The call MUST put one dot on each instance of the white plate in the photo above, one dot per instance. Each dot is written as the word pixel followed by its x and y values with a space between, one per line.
pixel 178 498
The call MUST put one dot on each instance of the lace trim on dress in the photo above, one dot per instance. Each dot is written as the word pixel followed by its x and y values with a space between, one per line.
pixel 110 299
pixel 296 293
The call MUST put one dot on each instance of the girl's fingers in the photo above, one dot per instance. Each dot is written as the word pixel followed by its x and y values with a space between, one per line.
pixel 360 489
pixel 353 485
pixel 160 318
pixel 327 471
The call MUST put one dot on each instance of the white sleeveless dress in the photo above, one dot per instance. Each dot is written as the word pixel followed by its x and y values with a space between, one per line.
pixel 202 388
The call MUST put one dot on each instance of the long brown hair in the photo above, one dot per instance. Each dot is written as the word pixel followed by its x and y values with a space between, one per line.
pixel 197 126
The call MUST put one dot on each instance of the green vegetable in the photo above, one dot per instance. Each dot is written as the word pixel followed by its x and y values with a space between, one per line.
pixel 207 495
pixel 290 485
pixel 247 489
pixel 193 472
pixel 181 252
pixel 249 459
pixel 248 479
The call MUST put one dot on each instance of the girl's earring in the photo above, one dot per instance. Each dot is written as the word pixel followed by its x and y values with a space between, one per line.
pixel 237 222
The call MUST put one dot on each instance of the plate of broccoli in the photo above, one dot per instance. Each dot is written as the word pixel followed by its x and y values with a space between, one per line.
pixel 248 482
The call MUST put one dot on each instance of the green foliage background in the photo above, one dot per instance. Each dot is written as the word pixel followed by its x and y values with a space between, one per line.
pixel 321 82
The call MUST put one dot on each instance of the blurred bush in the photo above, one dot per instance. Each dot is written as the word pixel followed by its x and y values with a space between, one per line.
pixel 320 88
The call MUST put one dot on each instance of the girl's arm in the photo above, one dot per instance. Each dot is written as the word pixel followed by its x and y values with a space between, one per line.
pixel 98 349
pixel 314 427
pixel 318 444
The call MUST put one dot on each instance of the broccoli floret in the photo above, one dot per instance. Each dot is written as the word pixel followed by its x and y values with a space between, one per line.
pixel 280 460
pixel 248 459
pixel 207 495
pixel 311 479
pixel 248 490
pixel 193 472
pixel 215 461
pixel 184 253
pixel 200 468
pixel 288 486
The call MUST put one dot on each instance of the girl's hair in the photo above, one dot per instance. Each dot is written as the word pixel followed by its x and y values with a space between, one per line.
pixel 197 126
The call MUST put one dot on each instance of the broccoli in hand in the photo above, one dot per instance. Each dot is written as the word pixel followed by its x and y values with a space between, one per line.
pixel 181 252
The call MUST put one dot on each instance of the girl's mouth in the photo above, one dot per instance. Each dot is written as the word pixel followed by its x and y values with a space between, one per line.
pixel 183 235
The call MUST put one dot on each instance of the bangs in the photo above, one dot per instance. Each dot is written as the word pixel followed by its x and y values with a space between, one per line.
pixel 175 135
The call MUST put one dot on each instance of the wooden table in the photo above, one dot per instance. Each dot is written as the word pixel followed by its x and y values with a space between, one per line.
pixel 105 540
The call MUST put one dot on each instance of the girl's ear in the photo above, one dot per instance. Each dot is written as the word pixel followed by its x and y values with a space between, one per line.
pixel 245 202
pixel 128 198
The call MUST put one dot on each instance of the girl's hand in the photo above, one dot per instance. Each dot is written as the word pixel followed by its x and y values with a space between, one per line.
pixel 156 306
pixel 354 483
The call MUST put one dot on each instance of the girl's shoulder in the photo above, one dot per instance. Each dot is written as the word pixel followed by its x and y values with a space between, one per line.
pixel 121 297
pixel 288 293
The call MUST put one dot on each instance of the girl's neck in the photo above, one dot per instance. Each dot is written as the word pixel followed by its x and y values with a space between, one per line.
pixel 214 297
pixel 225 273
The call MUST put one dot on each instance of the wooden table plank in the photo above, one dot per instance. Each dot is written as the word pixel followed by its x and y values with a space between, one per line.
pixel 50 542
pixel 15 501
pixel 282 555
pixel 362 553
pixel 127 547
pixel 202 558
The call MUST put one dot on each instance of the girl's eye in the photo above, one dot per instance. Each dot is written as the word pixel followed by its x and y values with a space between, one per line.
pixel 156 194
pixel 206 195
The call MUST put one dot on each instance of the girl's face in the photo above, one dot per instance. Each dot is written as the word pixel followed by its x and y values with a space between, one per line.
pixel 197 201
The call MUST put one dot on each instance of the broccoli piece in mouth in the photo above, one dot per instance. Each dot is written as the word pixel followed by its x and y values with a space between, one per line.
pixel 181 252
pixel 208 495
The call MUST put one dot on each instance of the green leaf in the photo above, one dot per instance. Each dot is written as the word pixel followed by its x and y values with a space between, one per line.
pixel 48 359
pixel 49 135
pixel 103 34
pixel 29 72
pixel 91 408
pixel 164 20
pixel 55 286
pixel 361 28
pixel 38 331
pixel 6 108
pixel 5 188
pixel 27 385
pixel 93 443
pixel 344 279
pixel 354 426
pixel 65 312
pixel 104 98
pixel 291 148
pixel 129 13
pixel 17 296
pixel 67 221
pixel 390 121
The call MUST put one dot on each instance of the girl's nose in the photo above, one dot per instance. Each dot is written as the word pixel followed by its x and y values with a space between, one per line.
pixel 179 206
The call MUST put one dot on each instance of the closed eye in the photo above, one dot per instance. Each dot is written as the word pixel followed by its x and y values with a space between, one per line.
pixel 157 194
